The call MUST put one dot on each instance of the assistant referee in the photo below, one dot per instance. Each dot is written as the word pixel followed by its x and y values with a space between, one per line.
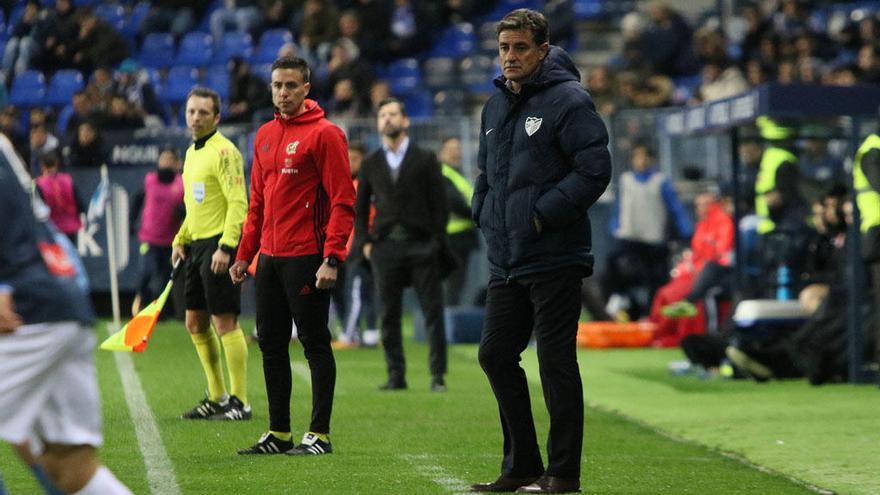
pixel 216 204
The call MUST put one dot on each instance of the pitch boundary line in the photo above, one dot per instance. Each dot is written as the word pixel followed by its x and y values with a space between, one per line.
pixel 427 466
pixel 160 470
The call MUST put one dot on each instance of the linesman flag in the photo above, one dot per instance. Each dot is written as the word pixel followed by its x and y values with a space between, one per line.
pixel 136 333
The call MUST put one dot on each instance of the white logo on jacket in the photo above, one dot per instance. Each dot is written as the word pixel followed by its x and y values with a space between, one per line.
pixel 533 124
pixel 291 148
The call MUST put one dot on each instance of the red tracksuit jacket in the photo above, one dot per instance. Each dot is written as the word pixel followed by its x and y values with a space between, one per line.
pixel 302 198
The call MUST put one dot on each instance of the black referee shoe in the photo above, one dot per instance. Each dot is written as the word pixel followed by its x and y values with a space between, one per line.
pixel 311 445
pixel 206 409
pixel 267 445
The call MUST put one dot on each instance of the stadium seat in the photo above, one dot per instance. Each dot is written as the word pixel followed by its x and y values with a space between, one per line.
pixel 181 79
pixel 270 42
pixel 157 50
pixel 450 103
pixel 263 71
pixel 233 44
pixel 587 9
pixel 440 72
pixel 135 18
pixel 419 104
pixel 217 78
pixel 404 76
pixel 458 40
pixel 28 89
pixel 195 49
pixel 64 117
pixel 477 73
pixel 62 87
pixel 112 13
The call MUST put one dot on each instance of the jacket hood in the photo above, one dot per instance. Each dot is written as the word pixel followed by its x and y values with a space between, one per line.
pixel 558 67
pixel 313 113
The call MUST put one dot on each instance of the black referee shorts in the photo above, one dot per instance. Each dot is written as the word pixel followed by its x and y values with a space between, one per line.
pixel 205 289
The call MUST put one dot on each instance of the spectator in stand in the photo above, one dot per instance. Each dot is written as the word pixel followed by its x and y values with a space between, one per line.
pixel 134 84
pixel 646 205
pixel 456 11
pixel 82 111
pixel 379 92
pixel 247 92
pixel 172 16
pixel 791 20
pixel 317 23
pixel 163 211
pixel 460 230
pixel 61 195
pixel 10 126
pixel 635 44
pixel 122 115
pixel 869 64
pixel 98 44
pixel 367 26
pixel 276 14
pixel 344 63
pixel 677 308
pixel 750 152
pixel 671 53
pixel 818 167
pixel 601 84
pixel 88 150
pixel 564 22
pixel 756 74
pixel 346 104
pixel 758 25
pixel 241 15
pixel 20 45
pixel 721 79
pixel 55 34
pixel 410 28
pixel 41 142
pixel 101 89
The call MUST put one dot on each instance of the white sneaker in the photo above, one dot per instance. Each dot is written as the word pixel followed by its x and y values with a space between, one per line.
pixel 370 338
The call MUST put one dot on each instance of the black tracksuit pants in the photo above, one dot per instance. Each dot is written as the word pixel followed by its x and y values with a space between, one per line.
pixel 281 299
pixel 548 304
pixel 397 264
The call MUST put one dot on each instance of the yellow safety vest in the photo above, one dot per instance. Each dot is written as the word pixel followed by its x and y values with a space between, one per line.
pixel 867 198
pixel 457 223
pixel 771 160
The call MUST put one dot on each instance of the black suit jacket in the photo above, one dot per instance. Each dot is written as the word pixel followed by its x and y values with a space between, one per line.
pixel 416 200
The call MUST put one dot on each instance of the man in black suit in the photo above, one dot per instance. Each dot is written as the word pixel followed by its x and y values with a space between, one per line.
pixel 407 240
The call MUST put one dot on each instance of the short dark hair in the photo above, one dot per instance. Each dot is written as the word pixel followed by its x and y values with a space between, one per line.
pixel 525 19
pixel 389 101
pixel 204 92
pixel 449 138
pixel 295 63
pixel 50 158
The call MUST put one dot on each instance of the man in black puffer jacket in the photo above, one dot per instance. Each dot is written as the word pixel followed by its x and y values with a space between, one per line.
pixel 543 162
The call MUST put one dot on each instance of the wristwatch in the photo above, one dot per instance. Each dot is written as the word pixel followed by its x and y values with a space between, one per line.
pixel 331 261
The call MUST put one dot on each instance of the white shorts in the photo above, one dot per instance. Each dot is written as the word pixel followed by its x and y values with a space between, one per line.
pixel 48 385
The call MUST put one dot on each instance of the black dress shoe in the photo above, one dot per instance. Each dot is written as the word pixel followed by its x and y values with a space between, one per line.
pixel 393 385
pixel 552 484
pixel 502 485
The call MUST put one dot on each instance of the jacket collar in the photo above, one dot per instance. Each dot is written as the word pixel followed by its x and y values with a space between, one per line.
pixel 200 142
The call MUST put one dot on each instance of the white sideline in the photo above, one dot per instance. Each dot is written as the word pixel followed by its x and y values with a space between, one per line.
pixel 160 471
pixel 427 466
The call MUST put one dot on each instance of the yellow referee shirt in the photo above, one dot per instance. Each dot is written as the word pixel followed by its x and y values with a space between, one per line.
pixel 214 191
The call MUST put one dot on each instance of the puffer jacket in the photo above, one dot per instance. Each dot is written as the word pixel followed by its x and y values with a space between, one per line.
pixel 543 153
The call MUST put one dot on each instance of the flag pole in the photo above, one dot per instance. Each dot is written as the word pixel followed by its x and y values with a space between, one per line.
pixel 111 251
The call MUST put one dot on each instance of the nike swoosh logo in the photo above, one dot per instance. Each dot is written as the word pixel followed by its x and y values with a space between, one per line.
pixel 490 130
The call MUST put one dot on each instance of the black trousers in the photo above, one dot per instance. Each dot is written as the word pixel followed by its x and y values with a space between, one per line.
pixel 397 264
pixel 548 304
pixel 285 293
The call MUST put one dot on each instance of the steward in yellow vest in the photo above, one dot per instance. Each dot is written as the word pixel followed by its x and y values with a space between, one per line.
pixel 866 183
pixel 776 189
pixel 460 230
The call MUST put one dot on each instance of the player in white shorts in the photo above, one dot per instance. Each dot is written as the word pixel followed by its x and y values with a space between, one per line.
pixel 48 383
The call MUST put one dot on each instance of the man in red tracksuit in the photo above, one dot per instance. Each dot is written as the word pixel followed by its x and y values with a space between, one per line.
pixel 299 219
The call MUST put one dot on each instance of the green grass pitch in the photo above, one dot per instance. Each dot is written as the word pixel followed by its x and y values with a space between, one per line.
pixel 646 432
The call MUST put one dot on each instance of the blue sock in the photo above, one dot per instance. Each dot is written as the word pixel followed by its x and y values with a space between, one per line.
pixel 43 478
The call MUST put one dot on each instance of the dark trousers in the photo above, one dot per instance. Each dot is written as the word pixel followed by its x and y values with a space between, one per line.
pixel 548 304
pixel 711 276
pixel 361 299
pixel 634 264
pixel 286 292
pixel 462 245
pixel 705 350
pixel 875 281
pixel 397 264
pixel 155 271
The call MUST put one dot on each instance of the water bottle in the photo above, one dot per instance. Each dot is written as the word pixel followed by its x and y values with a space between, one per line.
pixel 783 281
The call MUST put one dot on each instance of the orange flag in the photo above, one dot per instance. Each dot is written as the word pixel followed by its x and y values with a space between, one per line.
pixel 136 333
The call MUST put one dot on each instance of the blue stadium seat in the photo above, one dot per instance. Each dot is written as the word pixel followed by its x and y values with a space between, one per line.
pixel 419 104
pixel 112 13
pixel 404 76
pixel 195 49
pixel 217 78
pixel 64 117
pixel 263 71
pixel 181 79
pixel 28 89
pixel 62 87
pixel 15 15
pixel 458 40
pixel 157 50
pixel 587 9
pixel 233 44
pixel 132 23
pixel 439 72
pixel 270 42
